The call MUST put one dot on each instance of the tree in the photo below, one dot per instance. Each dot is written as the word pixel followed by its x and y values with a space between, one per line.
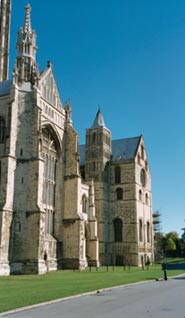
pixel 170 246
pixel 173 235
pixel 159 240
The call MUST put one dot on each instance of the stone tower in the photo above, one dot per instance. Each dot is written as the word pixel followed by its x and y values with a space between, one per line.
pixel 98 148
pixel 5 14
pixel 98 154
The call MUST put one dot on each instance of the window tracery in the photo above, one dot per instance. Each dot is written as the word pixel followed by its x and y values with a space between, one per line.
pixel 49 153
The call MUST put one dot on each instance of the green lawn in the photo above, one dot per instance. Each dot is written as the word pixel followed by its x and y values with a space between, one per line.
pixel 18 291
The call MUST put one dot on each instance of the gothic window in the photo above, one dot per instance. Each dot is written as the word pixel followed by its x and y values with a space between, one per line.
pixel 27 49
pixel 93 138
pixel 84 204
pixel 2 130
pixel 117 173
pixel 117 230
pixel 140 195
pixel 148 232
pixel 138 159
pixel 146 198
pixel 94 166
pixel 119 194
pixel 49 183
pixel 140 230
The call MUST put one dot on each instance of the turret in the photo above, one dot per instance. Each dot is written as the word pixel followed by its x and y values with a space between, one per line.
pixel 25 69
pixel 98 148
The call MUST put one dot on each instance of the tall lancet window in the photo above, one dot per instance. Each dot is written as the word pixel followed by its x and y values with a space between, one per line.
pixel 117 175
pixel 49 152
pixel 118 224
pixel 84 203
pixel 2 130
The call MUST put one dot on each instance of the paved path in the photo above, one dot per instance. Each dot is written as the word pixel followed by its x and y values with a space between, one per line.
pixel 162 299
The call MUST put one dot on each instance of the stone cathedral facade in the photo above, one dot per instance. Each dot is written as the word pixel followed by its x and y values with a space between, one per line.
pixel 63 205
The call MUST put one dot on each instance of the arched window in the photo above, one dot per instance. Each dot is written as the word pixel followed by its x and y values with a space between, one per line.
pixel 138 159
pixel 146 198
pixel 148 232
pixel 49 154
pixel 140 195
pixel 2 130
pixel 140 230
pixel 119 194
pixel 93 138
pixel 94 166
pixel 117 173
pixel 117 230
pixel 84 203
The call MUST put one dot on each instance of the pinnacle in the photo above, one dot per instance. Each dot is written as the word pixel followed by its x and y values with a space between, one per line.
pixel 27 20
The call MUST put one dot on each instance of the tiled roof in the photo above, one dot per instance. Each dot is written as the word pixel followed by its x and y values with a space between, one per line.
pixel 5 87
pixel 122 149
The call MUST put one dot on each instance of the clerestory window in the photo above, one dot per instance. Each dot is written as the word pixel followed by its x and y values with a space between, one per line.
pixel 117 174
pixel 2 130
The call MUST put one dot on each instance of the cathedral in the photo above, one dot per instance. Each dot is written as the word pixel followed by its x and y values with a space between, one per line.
pixel 64 205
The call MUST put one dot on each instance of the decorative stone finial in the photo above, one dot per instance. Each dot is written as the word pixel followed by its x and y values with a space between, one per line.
pixel 27 20
pixel 68 111
pixel 49 64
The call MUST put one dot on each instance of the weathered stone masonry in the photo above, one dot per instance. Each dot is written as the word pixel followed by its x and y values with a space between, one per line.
pixel 63 205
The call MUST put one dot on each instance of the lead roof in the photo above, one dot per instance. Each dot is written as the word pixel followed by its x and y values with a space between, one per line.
pixel 122 149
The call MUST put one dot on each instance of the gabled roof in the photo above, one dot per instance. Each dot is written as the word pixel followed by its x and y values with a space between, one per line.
pixel 5 87
pixel 122 149
pixel 47 78
pixel 125 149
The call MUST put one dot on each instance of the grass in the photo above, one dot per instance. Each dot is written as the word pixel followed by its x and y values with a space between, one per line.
pixel 23 290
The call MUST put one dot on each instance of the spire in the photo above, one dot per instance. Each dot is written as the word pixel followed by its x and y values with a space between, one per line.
pixel 27 20
pixel 99 121
pixel 26 52
pixel 5 15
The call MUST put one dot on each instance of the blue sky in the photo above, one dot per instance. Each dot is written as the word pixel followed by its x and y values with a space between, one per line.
pixel 128 56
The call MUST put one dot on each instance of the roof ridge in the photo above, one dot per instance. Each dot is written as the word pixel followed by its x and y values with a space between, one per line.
pixel 127 138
